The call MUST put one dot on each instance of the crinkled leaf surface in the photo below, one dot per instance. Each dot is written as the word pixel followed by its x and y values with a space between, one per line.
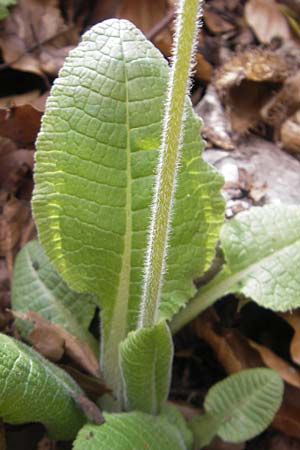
pixel 35 390
pixel 262 261
pixel 95 165
pixel 262 252
pixel 36 286
pixel 146 359
pixel 241 406
pixel 137 431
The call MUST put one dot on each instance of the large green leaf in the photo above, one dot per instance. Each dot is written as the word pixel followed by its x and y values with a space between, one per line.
pixel 262 261
pixel 95 165
pixel 36 286
pixel 239 407
pixel 137 431
pixel 35 390
pixel 146 359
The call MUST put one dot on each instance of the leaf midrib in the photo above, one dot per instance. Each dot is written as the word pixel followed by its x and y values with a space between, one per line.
pixel 120 310
pixel 222 284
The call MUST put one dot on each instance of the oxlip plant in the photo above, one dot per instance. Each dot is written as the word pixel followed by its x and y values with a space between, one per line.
pixel 128 215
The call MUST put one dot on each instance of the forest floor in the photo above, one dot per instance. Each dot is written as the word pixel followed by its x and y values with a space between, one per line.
pixel 246 88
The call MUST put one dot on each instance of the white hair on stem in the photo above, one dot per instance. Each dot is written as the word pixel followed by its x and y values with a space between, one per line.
pixel 169 158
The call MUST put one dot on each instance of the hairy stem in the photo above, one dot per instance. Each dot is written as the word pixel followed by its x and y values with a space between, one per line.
pixel 186 32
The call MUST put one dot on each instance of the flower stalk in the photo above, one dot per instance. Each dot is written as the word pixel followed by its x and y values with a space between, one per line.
pixel 173 128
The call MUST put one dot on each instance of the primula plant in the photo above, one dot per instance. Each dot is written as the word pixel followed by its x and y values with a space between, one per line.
pixel 128 215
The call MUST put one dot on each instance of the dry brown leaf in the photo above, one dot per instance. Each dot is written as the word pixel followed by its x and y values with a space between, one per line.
pixel 266 20
pixel 290 134
pixel 234 353
pixel 35 38
pixel 215 22
pixel 284 103
pixel 144 14
pixel 153 18
pixel 230 347
pixel 13 217
pixel 19 99
pixel 287 372
pixel 203 69
pixel 92 386
pixel 245 84
pixel 293 319
pixel 20 124
pixel 254 65
pixel 51 340
pixel 14 164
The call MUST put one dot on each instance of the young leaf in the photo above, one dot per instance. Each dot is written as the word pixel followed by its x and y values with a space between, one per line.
pixel 36 286
pixel 146 360
pixel 136 430
pixel 239 407
pixel 262 254
pixel 96 158
pixel 35 390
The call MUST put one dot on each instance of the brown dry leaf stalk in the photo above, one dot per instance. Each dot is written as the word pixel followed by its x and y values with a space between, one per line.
pixel 20 124
pixel 293 319
pixel 52 341
pixel 287 372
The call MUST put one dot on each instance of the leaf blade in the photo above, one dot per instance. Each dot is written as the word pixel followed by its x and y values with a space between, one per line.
pixel 135 430
pixel 241 406
pixel 146 359
pixel 29 383
pixel 261 250
pixel 36 286
pixel 95 165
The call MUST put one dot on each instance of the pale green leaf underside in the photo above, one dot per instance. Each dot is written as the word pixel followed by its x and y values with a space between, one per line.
pixel 95 166
pixel 34 390
pixel 262 261
pixel 36 286
pixel 146 359
pixel 135 431
pixel 262 247
pixel 244 404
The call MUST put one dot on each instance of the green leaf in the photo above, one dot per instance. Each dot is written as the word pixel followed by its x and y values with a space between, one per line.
pixel 35 390
pixel 36 286
pixel 239 407
pixel 136 431
pixel 95 165
pixel 262 261
pixel 4 4
pixel 146 359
